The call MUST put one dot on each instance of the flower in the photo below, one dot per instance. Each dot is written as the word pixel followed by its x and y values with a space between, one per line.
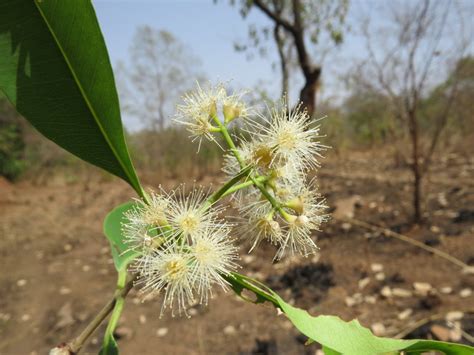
pixel 214 255
pixel 169 270
pixel 291 137
pixel 187 217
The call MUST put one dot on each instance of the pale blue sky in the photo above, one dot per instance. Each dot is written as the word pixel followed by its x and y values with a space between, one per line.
pixel 210 31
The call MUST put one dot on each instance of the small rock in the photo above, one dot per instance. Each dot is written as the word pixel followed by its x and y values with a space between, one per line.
pixel 122 332
pixel 346 227
pixel 21 282
pixel 455 333
pixel 95 341
pixel 378 329
pixel 229 330
pixel 440 332
pixel 64 291
pixel 363 282
pixel 248 259
pixel 446 290
pixel 86 268
pixel 405 314
pixel 386 291
pixel 5 317
pixel 454 316
pixel 468 270
pixel 25 317
pixel 376 267
pixel 142 319
pixel 422 288
pixel 350 301
pixel 67 247
pixel 435 229
pixel 466 292
pixel 401 292
pixel 372 205
pixel 380 276
pixel 161 332
pixel 370 299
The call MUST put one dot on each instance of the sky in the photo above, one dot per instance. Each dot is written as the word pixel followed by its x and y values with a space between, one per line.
pixel 210 30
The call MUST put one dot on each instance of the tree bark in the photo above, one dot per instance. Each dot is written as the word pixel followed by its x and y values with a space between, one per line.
pixel 309 90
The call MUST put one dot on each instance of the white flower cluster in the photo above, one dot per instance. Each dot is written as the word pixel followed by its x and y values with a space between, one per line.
pixel 282 149
pixel 184 247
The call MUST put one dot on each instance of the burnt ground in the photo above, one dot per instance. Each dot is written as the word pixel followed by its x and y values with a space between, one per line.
pixel 57 271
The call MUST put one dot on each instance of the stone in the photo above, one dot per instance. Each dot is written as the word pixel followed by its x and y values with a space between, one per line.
pixel 364 282
pixel 454 316
pixel 142 319
pixel 422 288
pixel 446 290
pixel 401 292
pixel 386 291
pixel 229 330
pixel 466 292
pixel 375 267
pixel 64 291
pixel 380 276
pixel 21 282
pixel 161 332
pixel 65 317
pixel 370 299
pixel 350 301
pixel 405 314
pixel 378 329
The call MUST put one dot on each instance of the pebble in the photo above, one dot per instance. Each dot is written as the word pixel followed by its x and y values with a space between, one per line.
pixel 5 317
pixel 422 288
pixel 229 330
pixel 386 291
pixel 21 282
pixel 363 283
pixel 378 329
pixel 161 332
pixel 67 247
pixel 466 292
pixel 25 317
pixel 64 291
pixel 380 276
pixel 435 229
pixel 350 302
pixel 370 299
pixel 86 268
pixel 454 315
pixel 446 290
pixel 248 259
pixel 346 227
pixel 142 319
pixel 401 292
pixel 375 267
pixel 405 314
pixel 95 341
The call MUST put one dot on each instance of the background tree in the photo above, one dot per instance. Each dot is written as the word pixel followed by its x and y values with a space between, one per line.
pixel 406 59
pixel 161 70
pixel 303 31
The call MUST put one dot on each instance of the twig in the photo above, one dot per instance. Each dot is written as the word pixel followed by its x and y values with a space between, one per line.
pixel 389 233
pixel 75 345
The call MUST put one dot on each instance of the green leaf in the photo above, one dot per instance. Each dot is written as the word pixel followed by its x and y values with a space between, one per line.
pixel 110 346
pixel 55 69
pixel 121 253
pixel 336 335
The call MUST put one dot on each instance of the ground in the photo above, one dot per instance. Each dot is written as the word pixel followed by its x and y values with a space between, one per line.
pixel 57 269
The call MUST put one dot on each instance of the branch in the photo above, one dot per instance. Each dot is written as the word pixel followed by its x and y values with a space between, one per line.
pixel 278 19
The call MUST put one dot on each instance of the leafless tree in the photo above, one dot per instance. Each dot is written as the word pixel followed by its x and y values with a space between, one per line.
pixel 160 70
pixel 407 57
pixel 302 30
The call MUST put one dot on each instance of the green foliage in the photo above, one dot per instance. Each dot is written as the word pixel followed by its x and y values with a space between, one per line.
pixel 57 74
pixel 113 231
pixel 11 151
pixel 336 335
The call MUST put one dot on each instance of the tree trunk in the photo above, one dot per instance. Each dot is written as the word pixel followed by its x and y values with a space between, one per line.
pixel 416 168
pixel 309 90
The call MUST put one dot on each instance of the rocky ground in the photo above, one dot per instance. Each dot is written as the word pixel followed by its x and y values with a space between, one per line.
pixel 57 270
